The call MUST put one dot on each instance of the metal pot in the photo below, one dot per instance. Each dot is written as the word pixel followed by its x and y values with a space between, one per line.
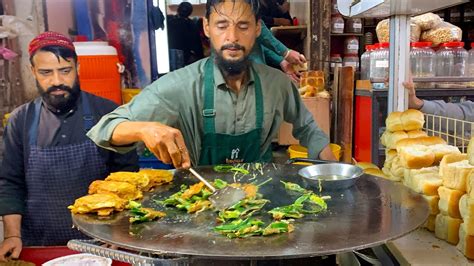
pixel 329 175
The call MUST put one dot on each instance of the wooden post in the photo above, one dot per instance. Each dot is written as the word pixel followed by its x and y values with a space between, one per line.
pixel 345 112
pixel 320 30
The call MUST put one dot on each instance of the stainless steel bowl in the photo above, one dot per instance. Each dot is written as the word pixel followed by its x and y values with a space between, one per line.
pixel 331 176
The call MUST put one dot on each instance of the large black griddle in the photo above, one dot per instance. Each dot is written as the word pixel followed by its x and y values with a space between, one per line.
pixel 368 214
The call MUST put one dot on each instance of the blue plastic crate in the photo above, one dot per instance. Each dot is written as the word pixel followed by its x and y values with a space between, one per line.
pixel 153 162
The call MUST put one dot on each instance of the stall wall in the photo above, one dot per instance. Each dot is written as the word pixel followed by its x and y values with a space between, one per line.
pixel 124 24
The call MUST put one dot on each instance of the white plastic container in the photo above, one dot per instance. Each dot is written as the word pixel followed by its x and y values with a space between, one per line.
pixel 351 45
pixel 379 62
pixel 79 260
pixel 365 63
pixel 470 63
pixel 100 68
pixel 94 48
pixel 337 24
pixel 452 61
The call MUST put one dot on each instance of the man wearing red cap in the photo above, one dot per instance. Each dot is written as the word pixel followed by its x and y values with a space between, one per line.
pixel 48 160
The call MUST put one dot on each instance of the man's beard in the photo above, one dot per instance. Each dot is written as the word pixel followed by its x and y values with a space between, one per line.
pixel 63 102
pixel 231 67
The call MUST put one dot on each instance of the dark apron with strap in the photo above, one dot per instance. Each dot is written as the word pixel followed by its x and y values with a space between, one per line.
pixel 55 177
pixel 218 148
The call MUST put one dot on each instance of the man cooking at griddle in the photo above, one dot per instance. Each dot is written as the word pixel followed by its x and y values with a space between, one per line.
pixel 221 109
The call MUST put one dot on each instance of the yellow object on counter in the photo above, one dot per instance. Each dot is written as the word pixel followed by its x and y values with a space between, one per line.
pixel 129 93
pixel 298 151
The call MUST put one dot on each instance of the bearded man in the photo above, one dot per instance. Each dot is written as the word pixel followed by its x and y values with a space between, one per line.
pixel 221 109
pixel 48 160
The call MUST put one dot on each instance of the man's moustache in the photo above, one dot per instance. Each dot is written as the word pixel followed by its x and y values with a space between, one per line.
pixel 232 46
pixel 61 88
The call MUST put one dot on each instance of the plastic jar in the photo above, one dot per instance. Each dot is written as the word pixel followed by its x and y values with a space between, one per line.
pixel 336 61
pixel 337 24
pixel 368 38
pixel 351 45
pixel 351 60
pixel 470 65
pixel 471 61
pixel 451 61
pixel 365 63
pixel 379 62
pixel 354 25
pixel 422 62
pixel 334 9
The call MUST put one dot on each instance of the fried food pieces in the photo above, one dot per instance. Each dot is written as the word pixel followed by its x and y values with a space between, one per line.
pixel 122 189
pixel 103 204
pixel 156 177
pixel 115 192
pixel 137 179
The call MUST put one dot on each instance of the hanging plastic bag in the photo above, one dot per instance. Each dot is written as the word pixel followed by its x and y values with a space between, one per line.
pixel 383 31
pixel 427 21
pixel 444 32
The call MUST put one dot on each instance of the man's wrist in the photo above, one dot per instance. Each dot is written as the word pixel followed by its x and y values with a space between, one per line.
pixel 13 236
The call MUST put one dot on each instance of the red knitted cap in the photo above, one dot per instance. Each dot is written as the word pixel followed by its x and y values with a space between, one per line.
pixel 49 38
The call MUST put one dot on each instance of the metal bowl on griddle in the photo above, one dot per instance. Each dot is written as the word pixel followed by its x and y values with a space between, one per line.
pixel 329 175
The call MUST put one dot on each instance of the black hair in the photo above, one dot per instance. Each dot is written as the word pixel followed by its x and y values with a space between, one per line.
pixel 57 50
pixel 255 5
pixel 185 9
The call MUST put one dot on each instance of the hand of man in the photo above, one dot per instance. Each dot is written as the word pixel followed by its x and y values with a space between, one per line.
pixel 413 101
pixel 10 248
pixel 327 154
pixel 166 143
pixel 290 72
pixel 295 58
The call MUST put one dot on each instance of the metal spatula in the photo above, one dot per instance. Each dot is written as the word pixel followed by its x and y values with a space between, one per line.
pixel 221 198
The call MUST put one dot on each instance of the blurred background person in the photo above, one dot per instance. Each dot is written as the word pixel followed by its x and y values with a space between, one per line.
pixel 183 35
pixel 275 13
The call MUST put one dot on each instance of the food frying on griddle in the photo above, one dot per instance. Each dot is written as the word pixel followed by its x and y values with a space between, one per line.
pixel 249 189
pixel 157 177
pixel 305 204
pixel 241 228
pixel 139 214
pixel 241 210
pixel 140 180
pixel 122 189
pixel 103 204
pixel 253 227
pixel 278 227
pixel 192 199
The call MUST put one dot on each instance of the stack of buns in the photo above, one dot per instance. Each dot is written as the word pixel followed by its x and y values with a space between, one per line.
pixel 408 147
pixel 454 223
pixel 438 171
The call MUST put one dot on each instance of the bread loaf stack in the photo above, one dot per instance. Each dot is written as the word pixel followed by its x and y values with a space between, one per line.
pixel 455 223
pixel 408 147
pixel 399 126
pixel 438 171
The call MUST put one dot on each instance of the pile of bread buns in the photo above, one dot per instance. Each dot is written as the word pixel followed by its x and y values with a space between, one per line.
pixel 438 171
pixel 408 147
pixel 455 222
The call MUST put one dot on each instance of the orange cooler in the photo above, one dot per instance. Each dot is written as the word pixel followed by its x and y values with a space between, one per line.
pixel 99 70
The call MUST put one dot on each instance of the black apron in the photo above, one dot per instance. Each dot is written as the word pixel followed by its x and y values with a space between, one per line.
pixel 218 148
pixel 55 177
